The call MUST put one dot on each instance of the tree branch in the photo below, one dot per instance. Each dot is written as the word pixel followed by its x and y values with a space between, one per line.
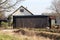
pixel 11 5
pixel 3 2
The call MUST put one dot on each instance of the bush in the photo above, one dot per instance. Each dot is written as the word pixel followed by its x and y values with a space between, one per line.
pixel 4 24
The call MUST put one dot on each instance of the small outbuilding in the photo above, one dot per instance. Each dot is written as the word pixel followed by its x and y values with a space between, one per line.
pixel 31 21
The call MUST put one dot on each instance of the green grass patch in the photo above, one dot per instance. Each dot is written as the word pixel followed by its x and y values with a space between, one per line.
pixel 7 37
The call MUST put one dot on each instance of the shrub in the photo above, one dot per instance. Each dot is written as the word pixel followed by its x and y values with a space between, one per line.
pixel 4 24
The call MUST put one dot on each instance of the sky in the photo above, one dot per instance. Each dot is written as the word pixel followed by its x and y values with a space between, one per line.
pixel 37 6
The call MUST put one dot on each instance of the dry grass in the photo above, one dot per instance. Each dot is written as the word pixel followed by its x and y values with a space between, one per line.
pixel 28 34
pixel 42 32
pixel 31 34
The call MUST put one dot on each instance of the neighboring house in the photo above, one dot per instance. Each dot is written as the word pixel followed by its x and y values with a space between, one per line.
pixel 31 21
pixel 55 18
pixel 58 20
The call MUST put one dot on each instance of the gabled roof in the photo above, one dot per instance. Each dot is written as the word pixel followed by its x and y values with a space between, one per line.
pixel 19 8
pixel 27 10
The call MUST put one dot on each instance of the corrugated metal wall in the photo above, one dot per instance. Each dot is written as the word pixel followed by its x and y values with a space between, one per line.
pixel 30 21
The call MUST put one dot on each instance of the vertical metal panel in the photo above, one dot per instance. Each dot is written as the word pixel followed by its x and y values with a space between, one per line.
pixel 30 21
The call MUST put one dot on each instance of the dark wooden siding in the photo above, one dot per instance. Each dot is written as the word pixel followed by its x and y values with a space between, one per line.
pixel 31 21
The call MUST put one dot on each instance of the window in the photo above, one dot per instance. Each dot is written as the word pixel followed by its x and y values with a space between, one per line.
pixel 21 10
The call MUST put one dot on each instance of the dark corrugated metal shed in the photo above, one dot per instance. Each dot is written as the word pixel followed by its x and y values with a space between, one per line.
pixel 32 21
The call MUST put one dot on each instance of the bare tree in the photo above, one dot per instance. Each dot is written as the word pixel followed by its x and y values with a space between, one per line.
pixel 1 2
pixel 6 5
pixel 55 7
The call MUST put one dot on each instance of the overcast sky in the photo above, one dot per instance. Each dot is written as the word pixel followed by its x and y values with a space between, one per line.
pixel 37 6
